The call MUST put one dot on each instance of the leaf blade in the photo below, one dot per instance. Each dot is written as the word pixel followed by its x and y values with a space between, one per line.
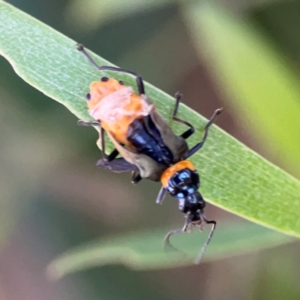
pixel 234 177
pixel 143 250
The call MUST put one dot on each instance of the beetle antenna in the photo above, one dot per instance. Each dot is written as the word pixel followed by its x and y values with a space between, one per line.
pixel 138 78
pixel 213 227
pixel 80 48
pixel 167 244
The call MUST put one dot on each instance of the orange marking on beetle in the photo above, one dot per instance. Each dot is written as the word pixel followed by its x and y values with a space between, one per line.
pixel 168 173
pixel 101 89
pixel 116 106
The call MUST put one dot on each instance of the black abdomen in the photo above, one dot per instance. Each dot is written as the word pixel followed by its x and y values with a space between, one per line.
pixel 146 138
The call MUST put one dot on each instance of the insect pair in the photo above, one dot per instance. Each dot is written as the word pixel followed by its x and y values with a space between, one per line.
pixel 148 146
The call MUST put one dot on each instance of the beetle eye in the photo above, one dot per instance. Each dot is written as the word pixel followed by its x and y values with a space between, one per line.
pixel 88 96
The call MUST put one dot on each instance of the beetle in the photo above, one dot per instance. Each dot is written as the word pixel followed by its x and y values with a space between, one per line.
pixel 147 144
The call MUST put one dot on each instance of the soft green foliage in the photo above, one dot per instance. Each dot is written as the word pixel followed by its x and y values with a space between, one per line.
pixel 142 250
pixel 233 177
pixel 90 14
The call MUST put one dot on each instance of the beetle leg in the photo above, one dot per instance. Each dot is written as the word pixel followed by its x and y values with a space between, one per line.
pixel 135 177
pixel 118 165
pixel 191 130
pixel 138 78
pixel 161 195
pixel 83 123
pixel 110 156
pixel 198 146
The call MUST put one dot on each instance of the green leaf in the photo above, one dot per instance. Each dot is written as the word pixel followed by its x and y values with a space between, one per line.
pixel 261 88
pixel 233 177
pixel 143 250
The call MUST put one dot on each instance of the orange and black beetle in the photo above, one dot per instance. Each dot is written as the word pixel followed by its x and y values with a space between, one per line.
pixel 148 146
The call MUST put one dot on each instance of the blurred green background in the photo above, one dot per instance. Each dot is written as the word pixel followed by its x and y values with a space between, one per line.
pixel 53 197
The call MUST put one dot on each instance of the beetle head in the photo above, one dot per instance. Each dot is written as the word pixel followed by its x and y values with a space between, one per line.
pixel 184 185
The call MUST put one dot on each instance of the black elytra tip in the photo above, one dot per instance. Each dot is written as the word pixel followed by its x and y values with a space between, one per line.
pixel 104 79
pixel 121 82
pixel 88 96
